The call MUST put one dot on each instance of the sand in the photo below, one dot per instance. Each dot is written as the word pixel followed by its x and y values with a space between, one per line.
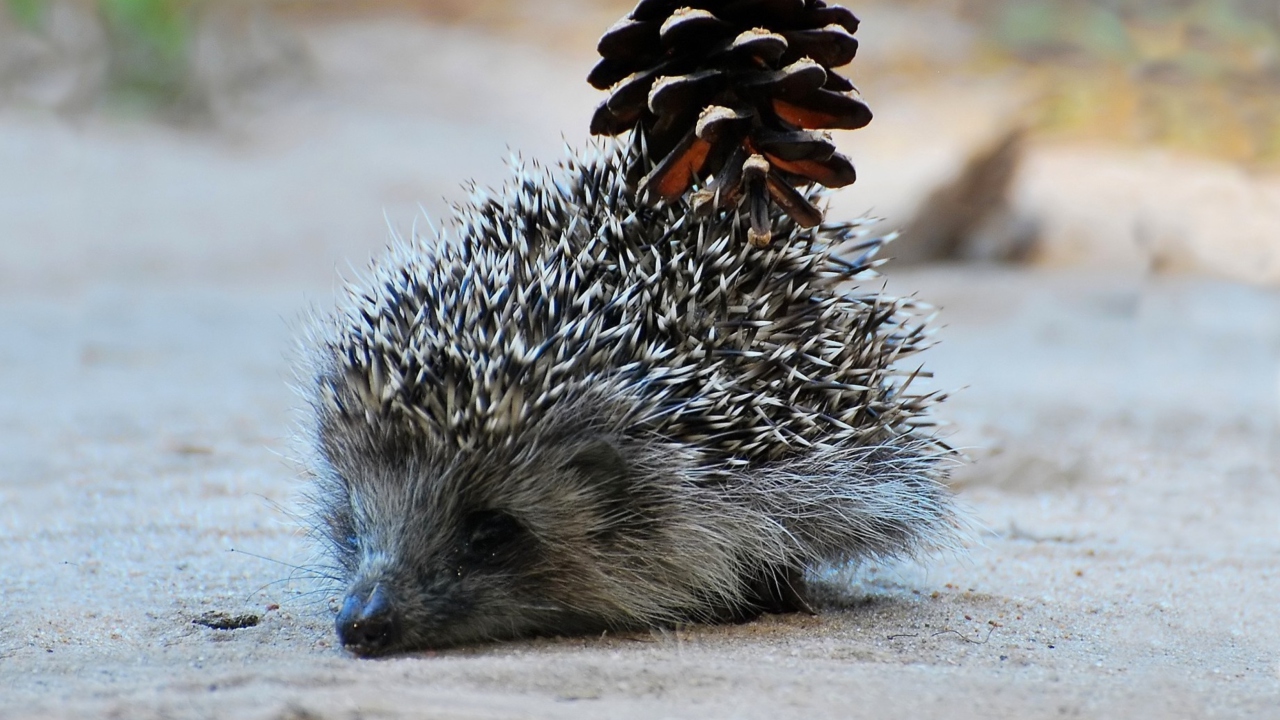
pixel 1124 559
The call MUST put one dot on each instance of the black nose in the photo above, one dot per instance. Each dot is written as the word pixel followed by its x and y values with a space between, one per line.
pixel 367 624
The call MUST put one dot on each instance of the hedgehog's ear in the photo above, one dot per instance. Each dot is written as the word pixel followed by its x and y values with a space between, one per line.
pixel 599 461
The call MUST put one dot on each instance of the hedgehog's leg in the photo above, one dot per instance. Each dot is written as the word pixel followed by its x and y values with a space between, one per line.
pixel 777 589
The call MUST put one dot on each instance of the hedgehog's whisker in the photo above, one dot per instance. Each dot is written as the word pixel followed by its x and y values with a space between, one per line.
pixel 311 572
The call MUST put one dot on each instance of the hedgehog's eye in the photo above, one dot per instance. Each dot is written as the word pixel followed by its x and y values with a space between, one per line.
pixel 488 532
pixel 600 462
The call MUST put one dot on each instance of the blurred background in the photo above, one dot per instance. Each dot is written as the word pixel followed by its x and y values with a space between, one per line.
pixel 242 139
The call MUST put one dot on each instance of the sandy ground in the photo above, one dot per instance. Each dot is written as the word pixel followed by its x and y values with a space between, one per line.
pixel 1125 558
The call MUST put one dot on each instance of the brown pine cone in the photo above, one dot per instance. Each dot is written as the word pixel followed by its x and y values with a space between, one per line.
pixel 737 91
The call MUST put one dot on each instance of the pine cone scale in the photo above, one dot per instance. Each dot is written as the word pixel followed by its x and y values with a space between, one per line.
pixel 792 202
pixel 605 122
pixel 834 172
pixel 632 95
pixel 688 27
pixel 629 40
pixel 754 173
pixel 831 46
pixel 795 80
pixel 608 73
pixel 716 120
pixel 768 47
pixel 658 10
pixel 823 110
pixel 725 187
pixel 838 83
pixel 770 12
pixel 835 15
pixel 800 145
pixel 673 94
pixel 678 170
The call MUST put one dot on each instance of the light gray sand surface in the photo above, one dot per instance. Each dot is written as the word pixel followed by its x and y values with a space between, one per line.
pixel 1129 559
pixel 1125 560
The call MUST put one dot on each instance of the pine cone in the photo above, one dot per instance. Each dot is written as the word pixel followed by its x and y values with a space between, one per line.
pixel 735 90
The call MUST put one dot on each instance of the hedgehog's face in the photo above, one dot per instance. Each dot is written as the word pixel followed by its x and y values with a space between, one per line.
pixel 439 549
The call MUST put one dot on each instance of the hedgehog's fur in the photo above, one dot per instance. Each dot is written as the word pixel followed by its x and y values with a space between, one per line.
pixel 578 412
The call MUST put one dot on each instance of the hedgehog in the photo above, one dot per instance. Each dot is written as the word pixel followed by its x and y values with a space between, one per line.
pixel 577 412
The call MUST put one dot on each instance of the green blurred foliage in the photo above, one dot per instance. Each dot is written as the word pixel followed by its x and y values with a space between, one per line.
pixel 29 13
pixel 149 45
pixel 150 41
pixel 1198 37
pixel 158 25
pixel 1202 75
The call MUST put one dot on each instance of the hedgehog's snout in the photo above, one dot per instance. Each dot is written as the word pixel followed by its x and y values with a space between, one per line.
pixel 368 623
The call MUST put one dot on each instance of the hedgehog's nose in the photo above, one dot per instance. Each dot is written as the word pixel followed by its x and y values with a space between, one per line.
pixel 367 624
